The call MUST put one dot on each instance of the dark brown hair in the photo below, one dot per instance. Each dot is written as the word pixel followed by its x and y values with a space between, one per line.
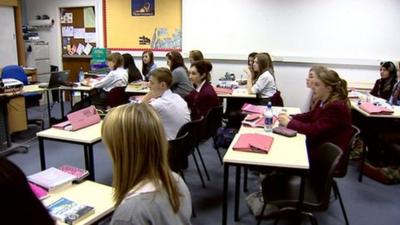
pixel 203 67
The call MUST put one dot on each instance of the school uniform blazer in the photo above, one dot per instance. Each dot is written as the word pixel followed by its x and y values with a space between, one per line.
pixel 378 92
pixel 201 102
pixel 327 123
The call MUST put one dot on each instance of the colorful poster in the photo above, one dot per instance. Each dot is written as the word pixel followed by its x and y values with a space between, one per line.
pixel 142 7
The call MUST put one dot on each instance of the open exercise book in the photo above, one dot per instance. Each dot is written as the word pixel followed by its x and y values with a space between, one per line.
pixel 256 120
pixel 253 143
pixel 68 211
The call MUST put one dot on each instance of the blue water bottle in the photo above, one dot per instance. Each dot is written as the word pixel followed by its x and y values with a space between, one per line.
pixel 269 116
pixel 81 75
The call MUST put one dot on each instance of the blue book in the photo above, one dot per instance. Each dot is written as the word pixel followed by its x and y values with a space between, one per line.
pixel 68 211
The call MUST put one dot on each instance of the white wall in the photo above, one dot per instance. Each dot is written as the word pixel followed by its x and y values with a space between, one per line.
pixel 227 30
pixel 8 42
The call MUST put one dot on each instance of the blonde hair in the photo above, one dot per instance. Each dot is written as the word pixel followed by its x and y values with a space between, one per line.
pixel 135 138
pixel 339 86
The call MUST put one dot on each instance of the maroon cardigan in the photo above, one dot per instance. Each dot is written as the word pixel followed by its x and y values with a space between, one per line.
pixel 201 102
pixel 327 123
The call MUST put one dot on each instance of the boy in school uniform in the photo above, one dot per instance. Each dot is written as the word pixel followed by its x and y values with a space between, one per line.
pixel 171 108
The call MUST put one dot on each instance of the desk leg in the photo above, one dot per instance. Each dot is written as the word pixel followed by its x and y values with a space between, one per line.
pixel 48 106
pixel 60 94
pixel 225 194
pixel 237 193
pixel 245 176
pixel 363 155
pixel 41 153
pixel 89 164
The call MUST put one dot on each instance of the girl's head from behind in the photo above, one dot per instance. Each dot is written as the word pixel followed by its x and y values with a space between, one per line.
pixel 200 71
pixel 388 70
pixel 115 60
pixel 128 60
pixel 195 55
pixel 328 86
pixel 135 139
pixel 17 197
pixel 147 57
pixel 174 60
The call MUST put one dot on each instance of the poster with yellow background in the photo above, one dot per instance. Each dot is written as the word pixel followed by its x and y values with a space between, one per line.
pixel 128 29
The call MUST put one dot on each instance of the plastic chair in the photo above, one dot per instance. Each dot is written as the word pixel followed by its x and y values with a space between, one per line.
pixel 117 96
pixel 213 121
pixel 283 190
pixel 192 128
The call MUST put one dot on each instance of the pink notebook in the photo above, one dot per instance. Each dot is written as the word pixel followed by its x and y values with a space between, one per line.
pixel 253 143
pixel 80 119
pixel 374 109
pixel 219 90
pixel 256 120
pixel 40 192
pixel 253 108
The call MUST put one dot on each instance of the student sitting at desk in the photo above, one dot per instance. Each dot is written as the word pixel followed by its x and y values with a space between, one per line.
pixel 146 191
pixel 19 205
pixel 395 97
pixel 330 120
pixel 383 87
pixel 117 77
pixel 311 100
pixel 148 64
pixel 171 108
pixel 180 79
pixel 130 66
pixel 262 82
pixel 204 97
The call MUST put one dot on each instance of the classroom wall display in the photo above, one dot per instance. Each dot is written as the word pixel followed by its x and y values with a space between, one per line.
pixel 137 25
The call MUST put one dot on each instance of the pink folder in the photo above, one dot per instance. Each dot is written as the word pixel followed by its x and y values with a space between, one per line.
pixel 219 90
pixel 39 191
pixel 80 119
pixel 374 109
pixel 253 143
pixel 253 108
pixel 256 120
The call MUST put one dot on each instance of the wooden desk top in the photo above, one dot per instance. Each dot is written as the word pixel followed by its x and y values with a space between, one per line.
pixel 395 115
pixel 33 88
pixel 88 193
pixel 287 152
pixel 88 135
pixel 76 88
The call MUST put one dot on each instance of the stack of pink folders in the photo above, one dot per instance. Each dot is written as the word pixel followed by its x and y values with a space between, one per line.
pixel 219 90
pixel 39 191
pixel 249 108
pixel 374 109
pixel 253 143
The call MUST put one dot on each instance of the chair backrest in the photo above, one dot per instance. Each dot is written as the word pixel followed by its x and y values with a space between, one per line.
pixel 341 169
pixel 213 121
pixel 16 72
pixel 192 128
pixel 321 172
pixel 117 96
pixel 178 152
pixel 276 99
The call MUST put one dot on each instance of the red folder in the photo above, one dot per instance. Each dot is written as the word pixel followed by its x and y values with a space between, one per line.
pixel 256 120
pixel 253 143
pixel 374 109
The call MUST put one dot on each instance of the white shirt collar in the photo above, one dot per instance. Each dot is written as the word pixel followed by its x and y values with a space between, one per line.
pixel 200 86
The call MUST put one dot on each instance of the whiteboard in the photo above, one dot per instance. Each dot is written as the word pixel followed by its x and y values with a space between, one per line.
pixel 8 43
pixel 349 29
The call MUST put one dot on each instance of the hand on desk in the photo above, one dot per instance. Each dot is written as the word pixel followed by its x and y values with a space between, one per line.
pixel 284 119
pixel 87 82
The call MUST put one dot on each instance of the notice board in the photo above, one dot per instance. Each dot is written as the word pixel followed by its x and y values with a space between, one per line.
pixel 137 25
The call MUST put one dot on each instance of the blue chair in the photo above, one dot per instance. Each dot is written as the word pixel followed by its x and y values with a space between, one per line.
pixel 16 72
pixel 31 99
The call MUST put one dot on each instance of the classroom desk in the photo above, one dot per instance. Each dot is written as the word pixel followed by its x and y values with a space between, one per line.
pixel 137 89
pixel 88 193
pixel 237 93
pixel 366 121
pixel 287 154
pixel 87 137
pixel 34 88
pixel 79 88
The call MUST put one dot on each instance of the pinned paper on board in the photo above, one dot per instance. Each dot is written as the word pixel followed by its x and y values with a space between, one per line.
pixel 79 33
pixel 89 17
pixel 68 17
pixel 88 49
pixel 90 37
pixel 80 49
pixel 67 31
